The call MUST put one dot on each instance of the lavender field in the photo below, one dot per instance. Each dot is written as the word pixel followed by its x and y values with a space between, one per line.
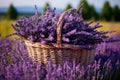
pixel 51 28
pixel 16 65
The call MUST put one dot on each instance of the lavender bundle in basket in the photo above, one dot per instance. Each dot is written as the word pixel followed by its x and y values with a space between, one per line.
pixel 74 30
pixel 38 28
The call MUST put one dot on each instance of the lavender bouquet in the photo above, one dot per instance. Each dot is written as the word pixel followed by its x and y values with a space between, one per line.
pixel 74 30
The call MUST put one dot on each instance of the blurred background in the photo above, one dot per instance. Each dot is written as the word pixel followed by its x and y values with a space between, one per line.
pixel 107 12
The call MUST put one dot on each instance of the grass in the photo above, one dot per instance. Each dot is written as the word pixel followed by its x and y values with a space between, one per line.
pixel 5 27
pixel 110 26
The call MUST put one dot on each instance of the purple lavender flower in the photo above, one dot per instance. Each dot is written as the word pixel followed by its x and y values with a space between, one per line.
pixel 74 30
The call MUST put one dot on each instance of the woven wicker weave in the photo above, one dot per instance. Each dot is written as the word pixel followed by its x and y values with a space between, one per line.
pixel 59 52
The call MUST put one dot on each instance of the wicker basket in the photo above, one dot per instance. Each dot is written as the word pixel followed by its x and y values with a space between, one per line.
pixel 59 52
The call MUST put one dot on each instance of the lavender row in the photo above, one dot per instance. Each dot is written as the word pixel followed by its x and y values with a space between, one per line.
pixel 16 65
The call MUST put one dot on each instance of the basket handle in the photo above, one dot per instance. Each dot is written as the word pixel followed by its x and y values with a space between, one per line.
pixel 59 27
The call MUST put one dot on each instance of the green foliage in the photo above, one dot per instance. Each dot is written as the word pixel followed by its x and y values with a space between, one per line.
pixel 106 13
pixel 86 10
pixel 46 5
pixel 116 13
pixel 68 7
pixel 94 14
pixel 12 13
pixel 8 59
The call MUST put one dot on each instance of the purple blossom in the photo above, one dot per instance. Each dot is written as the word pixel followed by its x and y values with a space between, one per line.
pixel 74 30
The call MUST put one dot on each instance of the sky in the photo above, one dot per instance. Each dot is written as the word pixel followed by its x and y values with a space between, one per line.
pixel 56 3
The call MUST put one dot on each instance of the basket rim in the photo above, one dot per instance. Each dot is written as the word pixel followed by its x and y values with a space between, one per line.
pixel 52 46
